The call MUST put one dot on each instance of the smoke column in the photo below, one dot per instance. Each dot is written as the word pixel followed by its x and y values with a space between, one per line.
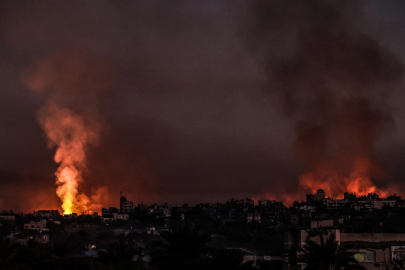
pixel 334 82
pixel 71 82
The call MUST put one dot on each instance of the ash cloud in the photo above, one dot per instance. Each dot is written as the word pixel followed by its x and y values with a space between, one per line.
pixel 334 82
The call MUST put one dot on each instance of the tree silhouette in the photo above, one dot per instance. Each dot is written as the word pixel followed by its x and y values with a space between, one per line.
pixel 228 259
pixel 327 255
pixel 8 253
pixel 183 248
pixel 119 255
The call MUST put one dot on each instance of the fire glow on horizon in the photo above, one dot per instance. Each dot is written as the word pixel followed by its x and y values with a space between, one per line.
pixel 357 181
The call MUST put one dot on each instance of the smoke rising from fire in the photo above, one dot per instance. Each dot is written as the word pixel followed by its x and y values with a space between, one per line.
pixel 71 82
pixel 188 118
pixel 334 82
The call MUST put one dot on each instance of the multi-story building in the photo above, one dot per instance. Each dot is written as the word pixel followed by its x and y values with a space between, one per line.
pixel 120 216
pixel 332 204
pixel 319 196
pixel 47 213
pixel 108 212
pixel 8 218
pixel 381 203
pixel 126 206
pixel 36 226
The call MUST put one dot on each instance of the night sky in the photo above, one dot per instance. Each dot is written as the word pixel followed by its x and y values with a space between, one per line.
pixel 201 101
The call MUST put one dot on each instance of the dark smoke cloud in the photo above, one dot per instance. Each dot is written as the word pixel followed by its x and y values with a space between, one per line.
pixel 334 83
pixel 187 116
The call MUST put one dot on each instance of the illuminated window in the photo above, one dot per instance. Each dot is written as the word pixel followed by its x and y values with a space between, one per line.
pixel 364 255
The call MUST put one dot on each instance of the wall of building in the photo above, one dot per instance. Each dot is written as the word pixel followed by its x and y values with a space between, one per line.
pixel 322 223
pixel 372 237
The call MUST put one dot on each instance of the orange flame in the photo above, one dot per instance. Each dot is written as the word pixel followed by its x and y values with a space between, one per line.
pixel 358 180
pixel 71 80
pixel 69 132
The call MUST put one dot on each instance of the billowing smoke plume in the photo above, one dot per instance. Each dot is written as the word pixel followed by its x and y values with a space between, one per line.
pixel 71 82
pixel 333 81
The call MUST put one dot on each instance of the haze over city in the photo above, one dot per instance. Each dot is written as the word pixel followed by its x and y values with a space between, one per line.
pixel 199 101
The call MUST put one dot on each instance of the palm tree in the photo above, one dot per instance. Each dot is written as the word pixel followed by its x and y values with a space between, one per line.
pixel 183 248
pixel 327 255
